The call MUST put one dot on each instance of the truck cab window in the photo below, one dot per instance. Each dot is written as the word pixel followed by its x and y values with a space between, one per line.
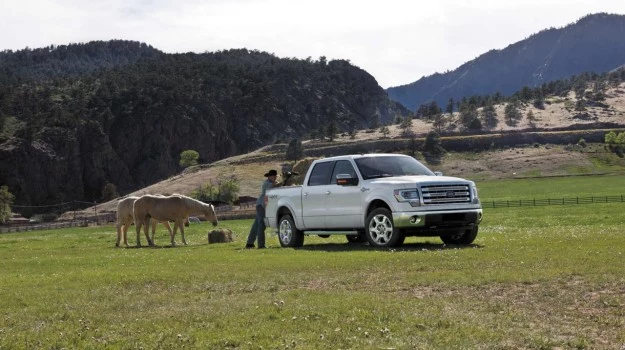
pixel 320 174
pixel 342 167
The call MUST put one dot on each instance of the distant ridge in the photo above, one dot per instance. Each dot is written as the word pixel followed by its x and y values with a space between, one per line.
pixel 592 44
pixel 69 60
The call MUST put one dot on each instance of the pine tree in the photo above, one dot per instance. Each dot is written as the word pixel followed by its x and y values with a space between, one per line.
pixel 331 131
pixel 450 107
pixel 109 192
pixel 512 113
pixel 489 116
pixel 385 131
pixel 6 199
pixel 531 118
pixel 406 125
pixel 374 122
pixel 294 150
pixel 468 116
pixel 439 122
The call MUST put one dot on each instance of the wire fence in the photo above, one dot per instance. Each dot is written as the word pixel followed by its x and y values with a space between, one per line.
pixel 247 212
pixel 44 226
pixel 552 201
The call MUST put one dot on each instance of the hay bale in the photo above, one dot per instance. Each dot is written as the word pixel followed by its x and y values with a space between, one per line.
pixel 222 235
pixel 301 167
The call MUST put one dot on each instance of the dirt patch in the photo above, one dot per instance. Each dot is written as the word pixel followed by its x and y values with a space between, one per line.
pixel 515 162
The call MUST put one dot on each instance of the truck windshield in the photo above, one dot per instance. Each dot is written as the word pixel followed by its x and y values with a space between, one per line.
pixel 387 166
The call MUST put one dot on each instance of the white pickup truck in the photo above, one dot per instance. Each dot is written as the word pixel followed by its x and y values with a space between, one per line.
pixel 379 198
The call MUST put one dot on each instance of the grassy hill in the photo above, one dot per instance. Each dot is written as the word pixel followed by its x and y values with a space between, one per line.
pixel 535 159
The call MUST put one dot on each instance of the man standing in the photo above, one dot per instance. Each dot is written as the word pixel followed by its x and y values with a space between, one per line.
pixel 258 228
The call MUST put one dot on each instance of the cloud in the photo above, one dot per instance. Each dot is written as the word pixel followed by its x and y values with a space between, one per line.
pixel 397 41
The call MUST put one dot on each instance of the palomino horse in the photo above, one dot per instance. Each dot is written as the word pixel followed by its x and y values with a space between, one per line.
pixel 125 218
pixel 175 208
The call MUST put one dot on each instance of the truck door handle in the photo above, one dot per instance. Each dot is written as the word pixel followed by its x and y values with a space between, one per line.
pixel 305 194
pixel 328 192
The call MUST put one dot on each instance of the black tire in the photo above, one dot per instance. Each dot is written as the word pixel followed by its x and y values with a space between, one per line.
pixel 465 237
pixel 359 238
pixel 288 234
pixel 380 230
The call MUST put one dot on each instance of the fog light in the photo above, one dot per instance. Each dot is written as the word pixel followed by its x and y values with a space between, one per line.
pixel 415 220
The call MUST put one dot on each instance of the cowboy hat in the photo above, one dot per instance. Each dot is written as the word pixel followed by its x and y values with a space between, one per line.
pixel 271 173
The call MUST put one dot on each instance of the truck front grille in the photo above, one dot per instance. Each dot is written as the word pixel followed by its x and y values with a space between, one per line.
pixel 446 194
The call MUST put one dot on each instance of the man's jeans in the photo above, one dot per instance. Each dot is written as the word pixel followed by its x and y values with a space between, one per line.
pixel 258 228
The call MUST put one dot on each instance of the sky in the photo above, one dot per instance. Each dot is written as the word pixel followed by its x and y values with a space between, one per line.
pixel 396 41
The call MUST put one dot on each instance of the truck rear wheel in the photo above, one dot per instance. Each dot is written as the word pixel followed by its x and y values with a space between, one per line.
pixel 380 230
pixel 288 234
pixel 464 237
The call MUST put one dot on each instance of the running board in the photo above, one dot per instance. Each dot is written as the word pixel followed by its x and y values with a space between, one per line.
pixel 330 232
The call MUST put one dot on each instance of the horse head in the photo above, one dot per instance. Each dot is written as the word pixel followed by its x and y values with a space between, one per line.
pixel 209 213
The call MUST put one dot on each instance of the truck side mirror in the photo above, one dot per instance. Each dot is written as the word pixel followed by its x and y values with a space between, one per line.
pixel 438 173
pixel 346 180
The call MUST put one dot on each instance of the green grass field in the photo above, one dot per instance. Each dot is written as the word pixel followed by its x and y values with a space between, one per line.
pixel 536 278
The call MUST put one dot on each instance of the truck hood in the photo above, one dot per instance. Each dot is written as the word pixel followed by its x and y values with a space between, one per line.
pixel 420 179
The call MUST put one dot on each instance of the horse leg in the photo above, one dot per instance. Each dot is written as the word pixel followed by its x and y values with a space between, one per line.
pixel 138 223
pixel 145 231
pixel 181 224
pixel 119 234
pixel 154 224
pixel 171 235
pixel 125 234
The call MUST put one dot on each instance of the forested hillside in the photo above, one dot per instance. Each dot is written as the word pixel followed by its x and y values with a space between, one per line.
pixel 69 60
pixel 592 44
pixel 123 116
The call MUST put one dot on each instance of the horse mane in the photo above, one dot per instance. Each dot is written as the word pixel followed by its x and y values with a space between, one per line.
pixel 193 202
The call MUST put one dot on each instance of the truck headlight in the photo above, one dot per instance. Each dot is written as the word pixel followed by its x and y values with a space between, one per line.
pixel 475 199
pixel 410 195
pixel 474 189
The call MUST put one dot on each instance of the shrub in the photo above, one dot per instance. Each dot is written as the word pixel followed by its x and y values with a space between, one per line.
pixel 189 158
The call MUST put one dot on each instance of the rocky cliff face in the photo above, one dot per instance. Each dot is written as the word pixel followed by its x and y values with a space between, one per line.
pixel 62 165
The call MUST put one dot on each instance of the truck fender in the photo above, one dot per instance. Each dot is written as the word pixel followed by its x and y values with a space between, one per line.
pixel 375 200
pixel 283 207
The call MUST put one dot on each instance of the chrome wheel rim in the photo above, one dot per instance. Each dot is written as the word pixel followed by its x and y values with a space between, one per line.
pixel 380 229
pixel 286 232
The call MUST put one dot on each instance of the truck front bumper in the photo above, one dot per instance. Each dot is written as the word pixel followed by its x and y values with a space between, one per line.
pixel 437 220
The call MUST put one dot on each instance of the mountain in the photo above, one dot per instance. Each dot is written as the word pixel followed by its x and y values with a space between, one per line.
pixel 67 130
pixel 592 44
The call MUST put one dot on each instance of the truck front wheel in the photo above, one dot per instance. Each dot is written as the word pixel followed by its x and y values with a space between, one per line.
pixel 288 234
pixel 380 230
pixel 464 237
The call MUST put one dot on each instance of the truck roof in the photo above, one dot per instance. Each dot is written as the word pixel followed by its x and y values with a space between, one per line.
pixel 362 155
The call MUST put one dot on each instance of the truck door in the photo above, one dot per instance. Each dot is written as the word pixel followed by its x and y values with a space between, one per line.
pixel 314 196
pixel 343 203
